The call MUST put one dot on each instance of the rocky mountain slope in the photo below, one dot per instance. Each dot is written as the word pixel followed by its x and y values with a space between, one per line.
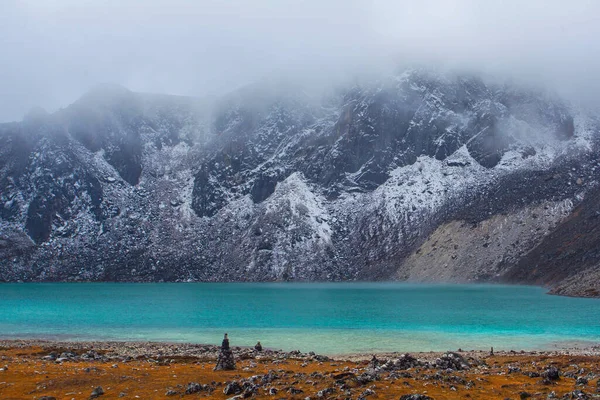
pixel 420 175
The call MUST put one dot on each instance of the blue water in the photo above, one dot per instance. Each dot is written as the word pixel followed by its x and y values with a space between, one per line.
pixel 326 318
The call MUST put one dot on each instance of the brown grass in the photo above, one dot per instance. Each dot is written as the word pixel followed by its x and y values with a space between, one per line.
pixel 29 377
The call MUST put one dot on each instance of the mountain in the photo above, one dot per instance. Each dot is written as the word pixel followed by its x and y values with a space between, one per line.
pixel 421 175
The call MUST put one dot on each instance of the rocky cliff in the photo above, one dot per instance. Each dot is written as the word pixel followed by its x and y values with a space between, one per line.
pixel 419 175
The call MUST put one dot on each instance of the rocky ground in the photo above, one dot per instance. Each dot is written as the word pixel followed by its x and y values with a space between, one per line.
pixel 60 370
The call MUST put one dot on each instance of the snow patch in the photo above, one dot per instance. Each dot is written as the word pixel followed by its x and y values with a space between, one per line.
pixel 303 204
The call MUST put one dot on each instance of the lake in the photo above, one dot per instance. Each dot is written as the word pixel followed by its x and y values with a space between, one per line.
pixel 329 318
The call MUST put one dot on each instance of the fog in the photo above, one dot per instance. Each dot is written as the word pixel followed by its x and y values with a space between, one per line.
pixel 52 51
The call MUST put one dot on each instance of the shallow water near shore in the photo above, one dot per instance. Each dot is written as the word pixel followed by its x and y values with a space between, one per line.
pixel 329 318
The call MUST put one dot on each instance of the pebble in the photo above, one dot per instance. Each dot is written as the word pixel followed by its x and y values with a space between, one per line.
pixel 97 392
pixel 581 381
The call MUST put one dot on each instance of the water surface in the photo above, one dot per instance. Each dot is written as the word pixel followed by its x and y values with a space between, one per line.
pixel 322 317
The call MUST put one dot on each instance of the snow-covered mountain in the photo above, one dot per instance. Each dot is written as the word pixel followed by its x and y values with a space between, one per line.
pixel 420 175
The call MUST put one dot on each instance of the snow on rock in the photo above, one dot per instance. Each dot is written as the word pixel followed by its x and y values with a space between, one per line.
pixel 271 184
pixel 304 205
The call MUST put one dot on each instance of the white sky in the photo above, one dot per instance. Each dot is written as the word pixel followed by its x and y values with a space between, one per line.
pixel 54 50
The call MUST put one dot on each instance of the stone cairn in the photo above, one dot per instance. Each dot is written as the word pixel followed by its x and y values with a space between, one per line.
pixel 225 360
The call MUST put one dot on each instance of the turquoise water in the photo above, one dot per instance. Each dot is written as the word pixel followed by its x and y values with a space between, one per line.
pixel 326 318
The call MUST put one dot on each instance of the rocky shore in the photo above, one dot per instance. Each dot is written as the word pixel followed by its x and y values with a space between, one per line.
pixel 46 370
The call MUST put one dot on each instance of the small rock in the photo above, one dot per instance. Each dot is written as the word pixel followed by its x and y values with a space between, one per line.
pixel 552 374
pixel 171 393
pixel 193 387
pixel 524 395
pixel 581 381
pixel 97 392
pixel 405 362
pixel 367 377
pixel 325 392
pixel 451 361
pixel 232 388
pixel 577 394
pixel 366 393
pixel 415 396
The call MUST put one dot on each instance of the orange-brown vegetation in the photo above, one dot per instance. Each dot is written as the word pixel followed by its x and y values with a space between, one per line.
pixel 28 376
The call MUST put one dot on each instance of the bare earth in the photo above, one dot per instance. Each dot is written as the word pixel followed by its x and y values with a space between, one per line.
pixel 33 369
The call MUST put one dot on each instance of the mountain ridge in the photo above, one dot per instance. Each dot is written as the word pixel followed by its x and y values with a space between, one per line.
pixel 283 186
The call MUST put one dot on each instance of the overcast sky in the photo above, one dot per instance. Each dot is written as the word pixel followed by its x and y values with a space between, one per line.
pixel 52 51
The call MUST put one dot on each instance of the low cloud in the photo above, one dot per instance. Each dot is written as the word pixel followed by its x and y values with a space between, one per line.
pixel 54 50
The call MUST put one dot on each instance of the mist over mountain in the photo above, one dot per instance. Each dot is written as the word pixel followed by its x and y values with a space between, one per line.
pixel 53 51
pixel 419 174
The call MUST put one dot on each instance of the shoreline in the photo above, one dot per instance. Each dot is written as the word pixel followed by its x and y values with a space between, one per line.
pixel 190 349
pixel 548 290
